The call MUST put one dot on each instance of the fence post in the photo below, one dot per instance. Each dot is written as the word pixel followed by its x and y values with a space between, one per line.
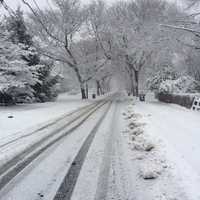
pixel 196 104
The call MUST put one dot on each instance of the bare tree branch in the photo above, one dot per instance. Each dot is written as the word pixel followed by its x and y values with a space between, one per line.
pixel 188 45
pixel 196 33
pixel 41 23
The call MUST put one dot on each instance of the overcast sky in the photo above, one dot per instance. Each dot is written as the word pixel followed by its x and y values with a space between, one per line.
pixel 43 3
pixel 15 3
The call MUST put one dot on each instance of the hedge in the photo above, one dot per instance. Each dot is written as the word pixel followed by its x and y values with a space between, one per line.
pixel 183 100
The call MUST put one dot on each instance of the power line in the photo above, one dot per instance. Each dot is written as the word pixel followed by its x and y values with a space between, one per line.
pixel 7 8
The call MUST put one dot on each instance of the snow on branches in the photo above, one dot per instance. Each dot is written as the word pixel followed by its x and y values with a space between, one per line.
pixel 15 76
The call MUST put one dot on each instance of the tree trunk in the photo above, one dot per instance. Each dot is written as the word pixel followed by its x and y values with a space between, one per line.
pixel 83 94
pixel 98 88
pixel 103 87
pixel 136 83
pixel 101 91
pixel 87 91
pixel 132 84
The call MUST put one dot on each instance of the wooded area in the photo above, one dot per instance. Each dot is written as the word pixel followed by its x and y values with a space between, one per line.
pixel 149 44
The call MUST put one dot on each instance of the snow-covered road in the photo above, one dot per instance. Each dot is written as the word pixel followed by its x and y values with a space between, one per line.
pixel 42 178
pixel 88 164
pixel 115 153
pixel 105 174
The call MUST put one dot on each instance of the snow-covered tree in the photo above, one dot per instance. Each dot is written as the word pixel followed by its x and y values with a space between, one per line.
pixel 133 35
pixel 128 32
pixel 24 76
pixel 19 35
pixel 17 29
pixel 16 79
pixel 46 88
pixel 184 84
pixel 57 29
pixel 192 61
pixel 162 74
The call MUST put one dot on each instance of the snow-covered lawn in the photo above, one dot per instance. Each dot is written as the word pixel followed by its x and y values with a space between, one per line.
pixel 178 126
pixel 174 133
pixel 29 116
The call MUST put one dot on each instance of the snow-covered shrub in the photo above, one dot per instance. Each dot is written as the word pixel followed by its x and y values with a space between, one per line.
pixel 176 91
pixel 163 74
pixel 167 87
pixel 184 84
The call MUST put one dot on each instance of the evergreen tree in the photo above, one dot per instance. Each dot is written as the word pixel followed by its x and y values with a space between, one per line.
pixel 44 88
pixel 16 80
pixel 18 34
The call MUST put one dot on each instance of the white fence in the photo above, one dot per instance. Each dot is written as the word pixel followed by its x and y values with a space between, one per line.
pixel 196 104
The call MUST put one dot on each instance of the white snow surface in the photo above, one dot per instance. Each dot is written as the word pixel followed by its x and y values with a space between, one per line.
pixel 142 151
pixel 48 170
pixel 175 131
pixel 28 117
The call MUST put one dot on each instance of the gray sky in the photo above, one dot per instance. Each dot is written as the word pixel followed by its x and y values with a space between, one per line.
pixel 15 3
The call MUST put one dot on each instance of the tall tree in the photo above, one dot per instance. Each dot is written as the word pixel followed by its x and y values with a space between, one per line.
pixel 58 30
pixel 16 79
pixel 19 35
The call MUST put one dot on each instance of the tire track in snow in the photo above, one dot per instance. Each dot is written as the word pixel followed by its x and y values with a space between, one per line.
pixel 66 188
pixel 115 182
pixel 46 126
pixel 102 185
pixel 15 166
